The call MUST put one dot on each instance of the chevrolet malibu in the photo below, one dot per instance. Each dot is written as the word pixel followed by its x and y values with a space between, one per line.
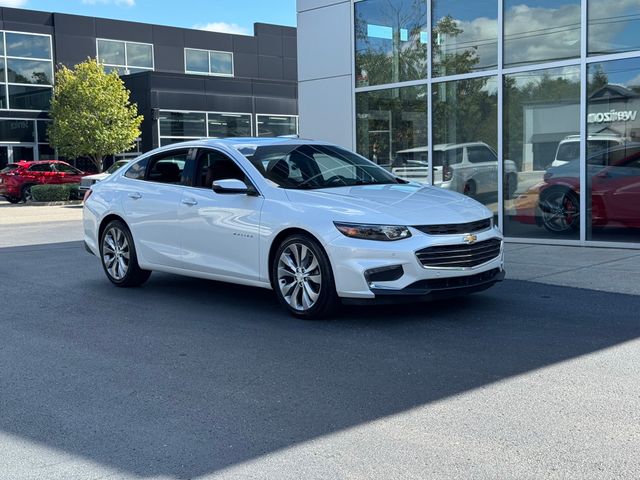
pixel 316 223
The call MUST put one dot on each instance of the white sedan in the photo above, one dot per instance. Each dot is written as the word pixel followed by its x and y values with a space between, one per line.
pixel 314 222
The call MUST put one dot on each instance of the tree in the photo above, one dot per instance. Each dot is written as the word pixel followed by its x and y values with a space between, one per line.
pixel 91 112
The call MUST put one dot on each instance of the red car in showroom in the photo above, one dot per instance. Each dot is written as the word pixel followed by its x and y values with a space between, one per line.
pixel 614 180
pixel 16 179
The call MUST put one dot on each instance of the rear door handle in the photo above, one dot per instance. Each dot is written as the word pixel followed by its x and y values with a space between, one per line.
pixel 135 195
pixel 190 201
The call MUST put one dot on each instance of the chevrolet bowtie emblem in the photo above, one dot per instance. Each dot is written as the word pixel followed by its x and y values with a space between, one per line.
pixel 470 238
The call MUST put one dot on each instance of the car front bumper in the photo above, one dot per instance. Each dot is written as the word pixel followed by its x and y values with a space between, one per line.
pixel 354 259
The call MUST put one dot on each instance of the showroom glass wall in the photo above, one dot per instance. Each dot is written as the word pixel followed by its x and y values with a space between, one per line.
pixel 530 106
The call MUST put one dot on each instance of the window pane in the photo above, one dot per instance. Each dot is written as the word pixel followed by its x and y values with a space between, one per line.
pixel 46 152
pixel 139 55
pixel 221 63
pixel 391 128
pixel 541 119
pixel 197 60
pixel 29 98
pixel 465 36
pixel 111 52
pixel 171 141
pixel 29 71
pixel 391 41
pixel 613 151
pixel 465 136
pixel 16 131
pixel 178 124
pixel 43 136
pixel 276 125
pixel 539 31
pixel 229 125
pixel 30 46
pixel 2 69
pixel 613 26
pixel 168 168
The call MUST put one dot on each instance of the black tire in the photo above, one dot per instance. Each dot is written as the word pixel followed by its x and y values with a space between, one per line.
pixel 511 185
pixel 13 199
pixel 25 193
pixel 132 275
pixel 560 211
pixel 283 277
pixel 470 189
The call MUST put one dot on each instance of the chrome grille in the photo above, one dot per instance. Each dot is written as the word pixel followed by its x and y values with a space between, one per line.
pixel 452 228
pixel 460 255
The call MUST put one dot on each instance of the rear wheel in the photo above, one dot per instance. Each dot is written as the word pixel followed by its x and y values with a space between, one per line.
pixel 302 278
pixel 470 188
pixel 118 256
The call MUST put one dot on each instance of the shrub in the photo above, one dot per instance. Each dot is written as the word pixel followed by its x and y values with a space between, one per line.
pixel 54 193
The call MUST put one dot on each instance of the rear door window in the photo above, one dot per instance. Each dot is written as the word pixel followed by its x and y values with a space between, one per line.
pixel 168 167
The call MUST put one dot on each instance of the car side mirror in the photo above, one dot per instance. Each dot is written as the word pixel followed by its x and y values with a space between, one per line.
pixel 232 186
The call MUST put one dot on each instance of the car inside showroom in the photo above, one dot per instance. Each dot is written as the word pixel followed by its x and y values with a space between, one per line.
pixel 529 106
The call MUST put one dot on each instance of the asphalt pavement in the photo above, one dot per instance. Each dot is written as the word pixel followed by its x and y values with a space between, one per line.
pixel 186 378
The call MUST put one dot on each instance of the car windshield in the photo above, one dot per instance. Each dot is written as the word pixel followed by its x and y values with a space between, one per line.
pixel 314 166
pixel 116 166
pixel 8 168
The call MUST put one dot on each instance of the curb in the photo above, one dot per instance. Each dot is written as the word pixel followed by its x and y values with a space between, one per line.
pixel 53 204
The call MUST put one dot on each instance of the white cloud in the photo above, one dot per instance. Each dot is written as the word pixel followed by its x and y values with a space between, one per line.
pixel 13 3
pixel 223 27
pixel 120 3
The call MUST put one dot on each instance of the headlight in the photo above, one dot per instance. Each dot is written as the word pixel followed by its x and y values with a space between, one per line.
pixel 373 232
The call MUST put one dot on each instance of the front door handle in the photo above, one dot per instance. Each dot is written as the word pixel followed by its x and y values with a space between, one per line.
pixel 135 195
pixel 190 201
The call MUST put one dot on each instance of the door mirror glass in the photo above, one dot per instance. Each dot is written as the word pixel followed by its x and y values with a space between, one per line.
pixel 231 185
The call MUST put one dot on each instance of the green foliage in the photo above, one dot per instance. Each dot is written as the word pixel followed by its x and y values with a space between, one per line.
pixel 91 112
pixel 55 193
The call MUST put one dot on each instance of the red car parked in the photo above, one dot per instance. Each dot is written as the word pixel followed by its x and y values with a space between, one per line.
pixel 17 178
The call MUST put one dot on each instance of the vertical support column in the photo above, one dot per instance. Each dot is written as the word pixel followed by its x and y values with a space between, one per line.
pixel 500 139
pixel 430 91
pixel 354 113
pixel 583 123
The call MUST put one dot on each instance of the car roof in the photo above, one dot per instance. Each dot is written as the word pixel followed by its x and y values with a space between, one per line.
pixel 233 142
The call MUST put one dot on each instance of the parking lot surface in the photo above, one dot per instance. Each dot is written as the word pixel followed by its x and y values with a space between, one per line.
pixel 187 378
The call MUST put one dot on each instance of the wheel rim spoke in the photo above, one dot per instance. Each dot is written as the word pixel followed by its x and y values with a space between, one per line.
pixel 299 277
pixel 116 253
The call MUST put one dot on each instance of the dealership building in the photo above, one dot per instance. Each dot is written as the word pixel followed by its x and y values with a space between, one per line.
pixel 187 83
pixel 530 106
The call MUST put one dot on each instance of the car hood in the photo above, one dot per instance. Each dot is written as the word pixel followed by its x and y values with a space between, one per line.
pixel 407 204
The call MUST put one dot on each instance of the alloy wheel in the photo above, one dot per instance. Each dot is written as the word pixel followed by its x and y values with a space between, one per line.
pixel 299 276
pixel 116 253
pixel 560 212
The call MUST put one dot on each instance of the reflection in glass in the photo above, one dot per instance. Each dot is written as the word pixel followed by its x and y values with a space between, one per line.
pixel 277 125
pixel 465 36
pixel 613 26
pixel 2 69
pixel 391 41
pixel 38 72
pixel 16 131
pixel 196 60
pixel 139 55
pixel 541 121
pixel 229 125
pixel 613 151
pixel 465 136
pixel 29 46
pixel 111 52
pixel 539 31
pixel 46 152
pixel 221 63
pixel 29 98
pixel 391 130
pixel 43 135
pixel 182 124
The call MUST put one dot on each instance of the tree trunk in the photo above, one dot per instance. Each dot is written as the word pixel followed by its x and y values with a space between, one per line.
pixel 97 161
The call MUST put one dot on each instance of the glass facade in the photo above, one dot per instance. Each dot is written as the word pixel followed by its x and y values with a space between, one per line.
pixel 125 57
pixel 540 124
pixel 208 62
pixel 276 125
pixel 26 71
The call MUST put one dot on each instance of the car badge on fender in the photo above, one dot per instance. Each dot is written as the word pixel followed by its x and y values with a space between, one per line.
pixel 470 238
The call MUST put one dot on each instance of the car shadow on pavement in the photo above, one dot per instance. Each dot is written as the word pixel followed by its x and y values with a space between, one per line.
pixel 184 377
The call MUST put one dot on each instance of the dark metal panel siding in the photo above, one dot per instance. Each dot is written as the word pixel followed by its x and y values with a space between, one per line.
pixel 208 40
pixel 282 106
pixel 121 30
pixel 168 48
pixel 270 67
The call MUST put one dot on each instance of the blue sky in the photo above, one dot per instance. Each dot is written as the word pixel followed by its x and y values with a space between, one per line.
pixel 236 16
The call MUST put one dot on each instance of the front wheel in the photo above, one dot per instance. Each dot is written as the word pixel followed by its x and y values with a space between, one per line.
pixel 302 278
pixel 13 199
pixel 26 194
pixel 118 255
pixel 560 211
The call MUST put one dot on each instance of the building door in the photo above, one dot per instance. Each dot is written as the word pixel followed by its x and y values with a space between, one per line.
pixel 4 157
pixel 15 153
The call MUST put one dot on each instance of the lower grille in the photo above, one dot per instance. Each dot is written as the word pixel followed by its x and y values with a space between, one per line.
pixel 461 255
